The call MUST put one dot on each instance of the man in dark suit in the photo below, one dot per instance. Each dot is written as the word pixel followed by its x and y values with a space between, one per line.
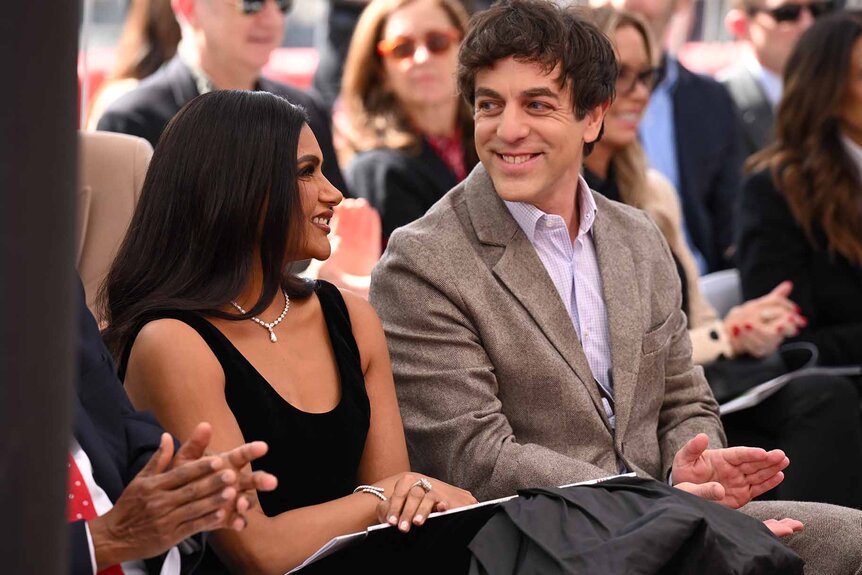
pixel 690 135
pixel 771 29
pixel 145 499
pixel 224 46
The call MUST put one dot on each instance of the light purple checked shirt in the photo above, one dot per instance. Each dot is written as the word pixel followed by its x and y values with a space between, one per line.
pixel 574 269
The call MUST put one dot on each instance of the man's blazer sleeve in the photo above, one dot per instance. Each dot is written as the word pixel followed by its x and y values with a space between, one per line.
pixel 688 406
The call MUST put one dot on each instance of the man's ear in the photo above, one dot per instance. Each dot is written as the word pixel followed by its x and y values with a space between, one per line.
pixel 185 11
pixel 736 23
pixel 595 118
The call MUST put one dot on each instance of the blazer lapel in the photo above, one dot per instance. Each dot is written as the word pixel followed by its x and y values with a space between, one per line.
pixel 522 272
pixel 756 113
pixel 622 303
pixel 181 81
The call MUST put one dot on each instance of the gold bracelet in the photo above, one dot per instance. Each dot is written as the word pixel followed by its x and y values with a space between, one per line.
pixel 373 490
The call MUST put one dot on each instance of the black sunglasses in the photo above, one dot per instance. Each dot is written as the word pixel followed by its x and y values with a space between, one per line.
pixel 249 7
pixel 628 79
pixel 791 12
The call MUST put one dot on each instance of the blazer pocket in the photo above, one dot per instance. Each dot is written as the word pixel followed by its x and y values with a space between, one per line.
pixel 658 338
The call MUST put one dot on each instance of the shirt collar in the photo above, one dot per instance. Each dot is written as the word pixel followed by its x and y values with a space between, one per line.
pixel 203 83
pixel 671 74
pixel 529 216
pixel 771 82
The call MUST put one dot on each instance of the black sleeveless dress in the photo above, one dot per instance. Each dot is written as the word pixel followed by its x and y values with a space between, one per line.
pixel 315 456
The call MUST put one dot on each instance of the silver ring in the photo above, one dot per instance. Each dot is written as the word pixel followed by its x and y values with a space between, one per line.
pixel 423 483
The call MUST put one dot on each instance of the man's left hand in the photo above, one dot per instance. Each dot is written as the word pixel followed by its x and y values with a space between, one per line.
pixel 237 459
pixel 743 472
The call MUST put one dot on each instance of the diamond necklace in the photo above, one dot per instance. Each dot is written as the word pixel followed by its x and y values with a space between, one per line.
pixel 264 324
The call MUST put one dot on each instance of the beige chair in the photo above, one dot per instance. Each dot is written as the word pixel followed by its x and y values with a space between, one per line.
pixel 112 170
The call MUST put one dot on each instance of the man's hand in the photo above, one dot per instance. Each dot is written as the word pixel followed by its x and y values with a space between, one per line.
pixel 173 498
pixel 237 459
pixel 743 473
pixel 162 507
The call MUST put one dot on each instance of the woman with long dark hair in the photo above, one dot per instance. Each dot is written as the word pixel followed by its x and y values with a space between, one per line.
pixel 813 420
pixel 207 325
pixel 800 215
pixel 408 134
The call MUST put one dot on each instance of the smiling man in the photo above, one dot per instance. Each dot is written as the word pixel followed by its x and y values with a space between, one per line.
pixel 535 327
pixel 225 44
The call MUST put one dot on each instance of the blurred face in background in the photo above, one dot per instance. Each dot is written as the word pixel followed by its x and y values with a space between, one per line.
pixel 850 111
pixel 419 49
pixel 656 12
pixel 235 41
pixel 637 78
pixel 774 26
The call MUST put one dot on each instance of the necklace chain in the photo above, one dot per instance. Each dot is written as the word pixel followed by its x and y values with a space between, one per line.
pixel 263 324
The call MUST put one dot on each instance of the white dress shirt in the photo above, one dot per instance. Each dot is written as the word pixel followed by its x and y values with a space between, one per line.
pixel 574 270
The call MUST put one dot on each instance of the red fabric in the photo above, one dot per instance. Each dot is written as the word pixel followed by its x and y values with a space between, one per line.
pixel 451 151
pixel 81 506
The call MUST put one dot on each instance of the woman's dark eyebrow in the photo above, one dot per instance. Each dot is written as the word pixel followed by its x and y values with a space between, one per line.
pixel 309 158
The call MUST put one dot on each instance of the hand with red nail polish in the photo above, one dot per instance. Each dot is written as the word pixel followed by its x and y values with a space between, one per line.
pixel 760 325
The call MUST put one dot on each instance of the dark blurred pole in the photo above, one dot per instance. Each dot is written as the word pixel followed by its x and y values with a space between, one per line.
pixel 38 108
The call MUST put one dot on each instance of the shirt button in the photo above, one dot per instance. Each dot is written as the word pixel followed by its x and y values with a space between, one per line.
pixel 549 223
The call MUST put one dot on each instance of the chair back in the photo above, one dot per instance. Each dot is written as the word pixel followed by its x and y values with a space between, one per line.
pixel 112 169
pixel 722 290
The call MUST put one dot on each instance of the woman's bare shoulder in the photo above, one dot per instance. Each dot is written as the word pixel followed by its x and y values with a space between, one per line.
pixel 170 347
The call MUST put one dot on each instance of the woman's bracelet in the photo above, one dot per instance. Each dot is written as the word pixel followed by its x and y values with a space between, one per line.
pixel 373 490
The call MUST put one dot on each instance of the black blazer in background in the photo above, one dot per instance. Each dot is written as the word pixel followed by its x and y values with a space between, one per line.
pixel 753 109
pixel 117 439
pixel 710 163
pixel 772 247
pixel 400 185
pixel 146 110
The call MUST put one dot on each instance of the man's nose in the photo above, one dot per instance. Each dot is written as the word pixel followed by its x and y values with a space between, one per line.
pixel 512 126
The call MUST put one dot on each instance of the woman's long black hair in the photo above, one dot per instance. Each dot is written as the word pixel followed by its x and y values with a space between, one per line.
pixel 221 188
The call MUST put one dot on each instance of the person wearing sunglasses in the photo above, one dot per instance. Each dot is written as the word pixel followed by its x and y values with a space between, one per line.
pixel 806 426
pixel 771 29
pixel 409 135
pixel 224 45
